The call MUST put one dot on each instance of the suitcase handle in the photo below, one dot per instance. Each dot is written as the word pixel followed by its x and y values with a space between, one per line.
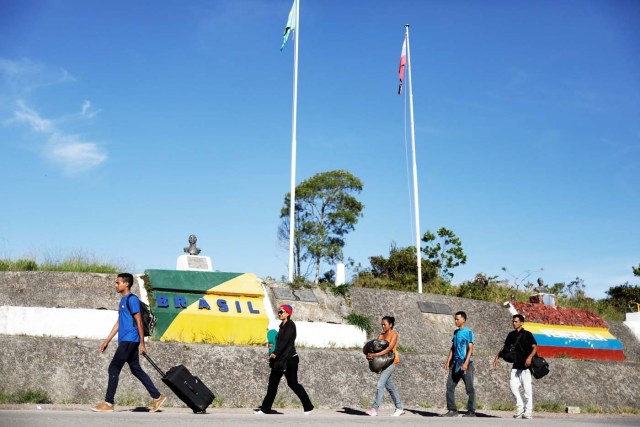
pixel 160 371
pixel 190 388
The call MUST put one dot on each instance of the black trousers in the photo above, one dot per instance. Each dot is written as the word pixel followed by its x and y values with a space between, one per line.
pixel 127 352
pixel 291 374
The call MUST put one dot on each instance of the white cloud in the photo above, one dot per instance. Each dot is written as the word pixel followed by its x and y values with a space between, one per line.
pixel 85 107
pixel 18 80
pixel 87 111
pixel 73 154
pixel 25 75
pixel 68 151
pixel 28 116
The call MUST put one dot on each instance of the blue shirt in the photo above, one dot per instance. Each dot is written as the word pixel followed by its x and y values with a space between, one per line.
pixel 461 339
pixel 127 328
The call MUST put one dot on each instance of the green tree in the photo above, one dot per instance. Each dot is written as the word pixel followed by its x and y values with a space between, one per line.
pixel 283 237
pixel 399 271
pixel 558 289
pixel 636 270
pixel 326 211
pixel 444 254
pixel 622 296
pixel 575 289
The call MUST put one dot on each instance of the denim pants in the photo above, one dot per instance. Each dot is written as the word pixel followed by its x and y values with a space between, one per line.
pixel 127 352
pixel 291 374
pixel 452 382
pixel 385 381
pixel 522 377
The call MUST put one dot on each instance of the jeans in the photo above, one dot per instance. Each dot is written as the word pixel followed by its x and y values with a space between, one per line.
pixel 127 352
pixel 452 382
pixel 522 377
pixel 291 374
pixel 385 381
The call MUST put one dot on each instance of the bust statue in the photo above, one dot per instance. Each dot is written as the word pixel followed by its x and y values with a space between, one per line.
pixel 541 287
pixel 192 249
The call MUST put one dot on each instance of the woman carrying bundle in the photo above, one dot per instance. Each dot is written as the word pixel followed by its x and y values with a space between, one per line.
pixel 385 380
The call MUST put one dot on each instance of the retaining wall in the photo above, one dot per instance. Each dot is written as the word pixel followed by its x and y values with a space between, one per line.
pixel 72 370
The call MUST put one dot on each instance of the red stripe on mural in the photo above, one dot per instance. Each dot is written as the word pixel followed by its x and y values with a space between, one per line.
pixel 581 353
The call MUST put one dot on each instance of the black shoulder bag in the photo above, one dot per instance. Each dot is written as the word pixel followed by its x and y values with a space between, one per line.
pixel 539 367
pixel 509 354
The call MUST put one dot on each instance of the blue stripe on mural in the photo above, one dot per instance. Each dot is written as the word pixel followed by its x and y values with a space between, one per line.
pixel 578 343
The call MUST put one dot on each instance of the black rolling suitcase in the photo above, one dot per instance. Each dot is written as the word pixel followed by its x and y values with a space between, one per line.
pixel 187 387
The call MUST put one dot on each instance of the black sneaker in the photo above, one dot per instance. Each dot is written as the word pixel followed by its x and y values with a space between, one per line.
pixel 470 414
pixel 450 414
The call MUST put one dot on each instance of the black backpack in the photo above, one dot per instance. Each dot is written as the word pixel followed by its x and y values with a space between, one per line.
pixel 148 319
pixel 539 367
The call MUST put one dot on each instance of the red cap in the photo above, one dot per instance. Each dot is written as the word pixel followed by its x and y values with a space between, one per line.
pixel 287 308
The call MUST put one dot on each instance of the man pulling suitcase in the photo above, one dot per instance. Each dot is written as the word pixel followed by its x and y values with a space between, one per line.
pixel 130 342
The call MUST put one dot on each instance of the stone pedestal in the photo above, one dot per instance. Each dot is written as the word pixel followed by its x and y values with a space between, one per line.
pixel 194 263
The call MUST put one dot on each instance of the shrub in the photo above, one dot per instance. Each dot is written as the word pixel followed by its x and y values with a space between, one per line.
pixel 359 320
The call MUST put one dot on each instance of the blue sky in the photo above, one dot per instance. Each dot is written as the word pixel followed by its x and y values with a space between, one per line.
pixel 126 126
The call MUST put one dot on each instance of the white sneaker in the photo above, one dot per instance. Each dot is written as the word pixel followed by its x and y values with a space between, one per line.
pixel 373 412
pixel 307 412
pixel 258 412
pixel 397 413
pixel 528 416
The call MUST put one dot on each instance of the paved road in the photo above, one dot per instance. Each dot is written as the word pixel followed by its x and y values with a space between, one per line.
pixel 64 416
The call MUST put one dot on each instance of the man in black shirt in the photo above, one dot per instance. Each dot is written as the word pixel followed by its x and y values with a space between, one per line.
pixel 526 347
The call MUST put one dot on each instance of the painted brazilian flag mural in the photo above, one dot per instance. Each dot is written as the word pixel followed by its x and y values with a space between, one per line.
pixel 207 307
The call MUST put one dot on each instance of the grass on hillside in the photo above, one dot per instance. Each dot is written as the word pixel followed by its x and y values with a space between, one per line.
pixel 72 263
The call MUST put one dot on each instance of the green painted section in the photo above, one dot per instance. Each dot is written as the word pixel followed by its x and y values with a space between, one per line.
pixel 166 315
pixel 188 281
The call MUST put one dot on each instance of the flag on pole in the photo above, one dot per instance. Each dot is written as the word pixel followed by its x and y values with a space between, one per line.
pixel 403 62
pixel 291 24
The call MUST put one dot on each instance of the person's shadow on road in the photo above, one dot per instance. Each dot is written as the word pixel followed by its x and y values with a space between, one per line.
pixel 423 413
pixel 351 411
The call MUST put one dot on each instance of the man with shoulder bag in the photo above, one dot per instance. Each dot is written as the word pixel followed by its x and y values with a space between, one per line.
pixel 520 347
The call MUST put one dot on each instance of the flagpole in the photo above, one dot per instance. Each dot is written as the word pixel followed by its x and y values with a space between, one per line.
pixel 415 169
pixel 293 143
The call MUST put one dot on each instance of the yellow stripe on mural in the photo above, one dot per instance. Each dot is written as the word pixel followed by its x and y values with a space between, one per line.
pixel 244 285
pixel 218 327
pixel 569 331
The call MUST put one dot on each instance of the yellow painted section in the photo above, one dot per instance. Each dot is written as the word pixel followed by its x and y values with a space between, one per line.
pixel 244 285
pixel 581 332
pixel 216 327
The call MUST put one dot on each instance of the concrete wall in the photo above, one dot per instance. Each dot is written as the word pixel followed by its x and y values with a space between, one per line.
pixel 632 320
pixel 56 322
pixel 59 290
pixel 72 370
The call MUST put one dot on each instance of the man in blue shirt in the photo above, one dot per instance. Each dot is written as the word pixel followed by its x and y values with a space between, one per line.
pixel 460 366
pixel 130 340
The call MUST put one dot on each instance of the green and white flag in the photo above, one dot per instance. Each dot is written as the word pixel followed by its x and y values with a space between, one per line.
pixel 291 24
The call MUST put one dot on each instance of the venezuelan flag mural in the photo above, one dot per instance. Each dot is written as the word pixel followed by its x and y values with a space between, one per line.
pixel 569 332
pixel 577 342
pixel 207 307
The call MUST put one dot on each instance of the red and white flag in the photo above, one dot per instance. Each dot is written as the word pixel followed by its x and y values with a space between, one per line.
pixel 403 62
